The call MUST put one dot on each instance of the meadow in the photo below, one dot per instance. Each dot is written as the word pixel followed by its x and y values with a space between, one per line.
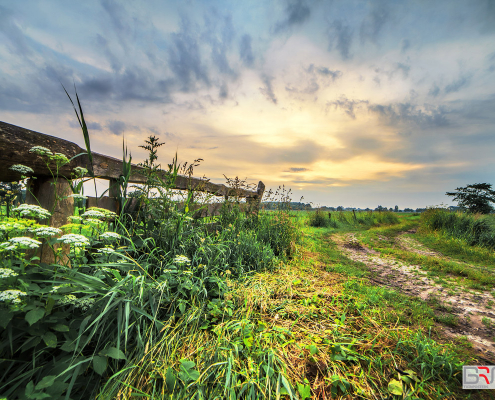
pixel 162 304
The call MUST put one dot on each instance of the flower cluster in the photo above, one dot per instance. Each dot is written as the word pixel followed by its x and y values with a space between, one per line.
pixel 106 250
pixel 7 273
pixel 31 210
pixel 80 171
pixel 93 221
pixel 93 214
pixel 20 243
pixel 41 151
pixel 59 158
pixel 77 196
pixel 22 169
pixel 70 299
pixel 47 231
pixel 75 240
pixel 111 236
pixel 13 296
pixel 181 260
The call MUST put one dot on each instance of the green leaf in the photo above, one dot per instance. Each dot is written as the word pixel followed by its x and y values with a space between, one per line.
pixel 287 386
pixel 68 346
pixel 114 353
pixel 29 389
pixel 50 339
pixel 99 364
pixel 60 328
pixel 170 379
pixel 248 341
pixel 304 391
pixel 187 373
pixel 313 349
pixel 5 317
pixel 47 381
pixel 50 302
pixel 35 315
pixel 395 387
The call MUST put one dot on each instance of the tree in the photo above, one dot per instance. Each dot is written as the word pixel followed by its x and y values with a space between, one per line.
pixel 396 209
pixel 476 198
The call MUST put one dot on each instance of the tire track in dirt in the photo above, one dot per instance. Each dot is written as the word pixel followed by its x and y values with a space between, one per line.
pixel 412 280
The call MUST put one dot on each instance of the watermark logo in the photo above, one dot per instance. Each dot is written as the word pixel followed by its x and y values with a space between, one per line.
pixel 478 377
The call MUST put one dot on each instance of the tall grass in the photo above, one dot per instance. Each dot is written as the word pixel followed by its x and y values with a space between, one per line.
pixel 124 290
pixel 475 229
pixel 347 219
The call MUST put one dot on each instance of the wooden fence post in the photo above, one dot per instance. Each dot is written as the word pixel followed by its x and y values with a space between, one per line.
pixel 48 193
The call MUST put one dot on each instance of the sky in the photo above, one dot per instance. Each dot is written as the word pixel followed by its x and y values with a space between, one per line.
pixel 353 103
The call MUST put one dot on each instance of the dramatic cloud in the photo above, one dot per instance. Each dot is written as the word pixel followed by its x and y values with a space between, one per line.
pixel 346 100
pixel 245 51
pixel 297 12
pixel 267 89
pixel 341 35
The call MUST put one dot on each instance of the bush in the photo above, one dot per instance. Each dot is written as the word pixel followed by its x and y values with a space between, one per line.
pixel 317 219
pixel 475 229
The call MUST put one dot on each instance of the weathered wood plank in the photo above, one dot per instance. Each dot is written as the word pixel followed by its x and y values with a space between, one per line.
pixel 15 143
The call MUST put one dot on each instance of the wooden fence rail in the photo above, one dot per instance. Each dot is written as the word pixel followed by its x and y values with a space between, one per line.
pixel 15 143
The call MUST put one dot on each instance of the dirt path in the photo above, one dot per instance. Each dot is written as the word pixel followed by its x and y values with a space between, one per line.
pixel 468 308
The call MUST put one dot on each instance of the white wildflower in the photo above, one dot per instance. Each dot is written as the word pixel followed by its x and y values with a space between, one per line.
pixel 106 250
pixel 75 240
pixel 41 151
pixel 75 219
pixel 7 273
pixel 181 260
pixel 13 296
pixel 80 171
pixel 22 169
pixel 70 299
pixel 77 196
pixel 56 288
pixel 47 231
pixel 110 236
pixel 93 214
pixel 94 221
pixel 59 157
pixel 23 243
pixel 32 211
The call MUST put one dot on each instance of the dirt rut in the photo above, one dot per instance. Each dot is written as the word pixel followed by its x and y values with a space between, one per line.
pixel 469 308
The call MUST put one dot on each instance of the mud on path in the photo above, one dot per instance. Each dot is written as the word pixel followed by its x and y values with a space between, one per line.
pixel 469 307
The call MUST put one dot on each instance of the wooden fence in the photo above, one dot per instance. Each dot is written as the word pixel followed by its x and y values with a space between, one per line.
pixel 15 143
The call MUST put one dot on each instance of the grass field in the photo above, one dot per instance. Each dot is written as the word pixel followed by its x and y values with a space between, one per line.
pixel 275 304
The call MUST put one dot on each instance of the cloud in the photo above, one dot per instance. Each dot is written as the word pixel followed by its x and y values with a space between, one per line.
pixel 329 73
pixel 267 90
pixel 92 126
pixel 116 127
pixel 458 84
pixel 219 33
pixel 405 45
pixel 185 59
pixel 294 169
pixel 434 90
pixel 245 50
pixel 296 13
pixel 374 22
pixel 348 106
pixel 12 34
pixel 404 68
pixel 341 34
pixel 406 113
